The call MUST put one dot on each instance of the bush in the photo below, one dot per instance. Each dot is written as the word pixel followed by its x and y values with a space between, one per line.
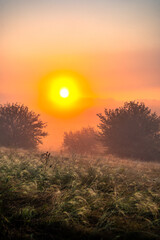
pixel 131 131
pixel 81 142
pixel 20 127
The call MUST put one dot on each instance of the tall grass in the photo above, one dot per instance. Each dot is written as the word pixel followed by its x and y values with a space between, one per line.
pixel 77 198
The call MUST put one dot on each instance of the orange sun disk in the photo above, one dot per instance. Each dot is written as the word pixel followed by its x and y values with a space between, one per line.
pixel 64 94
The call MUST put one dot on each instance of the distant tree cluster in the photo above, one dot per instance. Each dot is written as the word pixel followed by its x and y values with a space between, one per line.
pixel 131 131
pixel 128 131
pixel 19 127
pixel 81 142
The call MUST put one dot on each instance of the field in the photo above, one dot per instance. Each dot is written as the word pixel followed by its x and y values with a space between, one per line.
pixel 77 197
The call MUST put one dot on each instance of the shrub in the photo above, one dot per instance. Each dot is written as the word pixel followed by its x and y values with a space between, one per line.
pixel 131 131
pixel 81 142
pixel 20 127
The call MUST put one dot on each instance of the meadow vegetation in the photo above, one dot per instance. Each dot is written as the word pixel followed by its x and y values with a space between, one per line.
pixel 76 197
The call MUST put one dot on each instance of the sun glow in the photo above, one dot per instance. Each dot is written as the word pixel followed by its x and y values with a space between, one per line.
pixel 63 91
pixel 64 94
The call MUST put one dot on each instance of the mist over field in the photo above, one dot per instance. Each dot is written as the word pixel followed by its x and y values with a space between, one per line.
pixel 79 120
pixel 57 127
pixel 100 185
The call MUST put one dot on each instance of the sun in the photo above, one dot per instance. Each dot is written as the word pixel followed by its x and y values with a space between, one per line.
pixel 64 93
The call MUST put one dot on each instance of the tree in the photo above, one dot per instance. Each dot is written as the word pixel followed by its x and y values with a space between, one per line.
pixel 131 131
pixel 19 127
pixel 81 142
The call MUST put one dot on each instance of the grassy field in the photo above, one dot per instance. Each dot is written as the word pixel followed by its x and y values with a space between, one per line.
pixel 77 197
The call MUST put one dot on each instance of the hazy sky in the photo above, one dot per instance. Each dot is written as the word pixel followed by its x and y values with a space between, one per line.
pixel 114 44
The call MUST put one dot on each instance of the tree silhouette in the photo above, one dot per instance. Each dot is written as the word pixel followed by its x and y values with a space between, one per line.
pixel 131 131
pixel 20 127
pixel 81 142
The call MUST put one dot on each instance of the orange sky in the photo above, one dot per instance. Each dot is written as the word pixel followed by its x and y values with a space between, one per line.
pixel 113 45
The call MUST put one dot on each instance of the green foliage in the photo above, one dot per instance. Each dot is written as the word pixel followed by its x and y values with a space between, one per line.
pixel 20 127
pixel 81 142
pixel 131 131
pixel 87 196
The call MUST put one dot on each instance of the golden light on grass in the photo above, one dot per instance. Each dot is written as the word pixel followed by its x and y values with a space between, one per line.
pixel 64 94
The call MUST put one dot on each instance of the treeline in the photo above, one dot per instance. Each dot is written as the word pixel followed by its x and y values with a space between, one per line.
pixel 131 131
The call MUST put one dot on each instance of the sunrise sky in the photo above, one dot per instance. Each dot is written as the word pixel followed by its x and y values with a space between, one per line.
pixel 110 50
